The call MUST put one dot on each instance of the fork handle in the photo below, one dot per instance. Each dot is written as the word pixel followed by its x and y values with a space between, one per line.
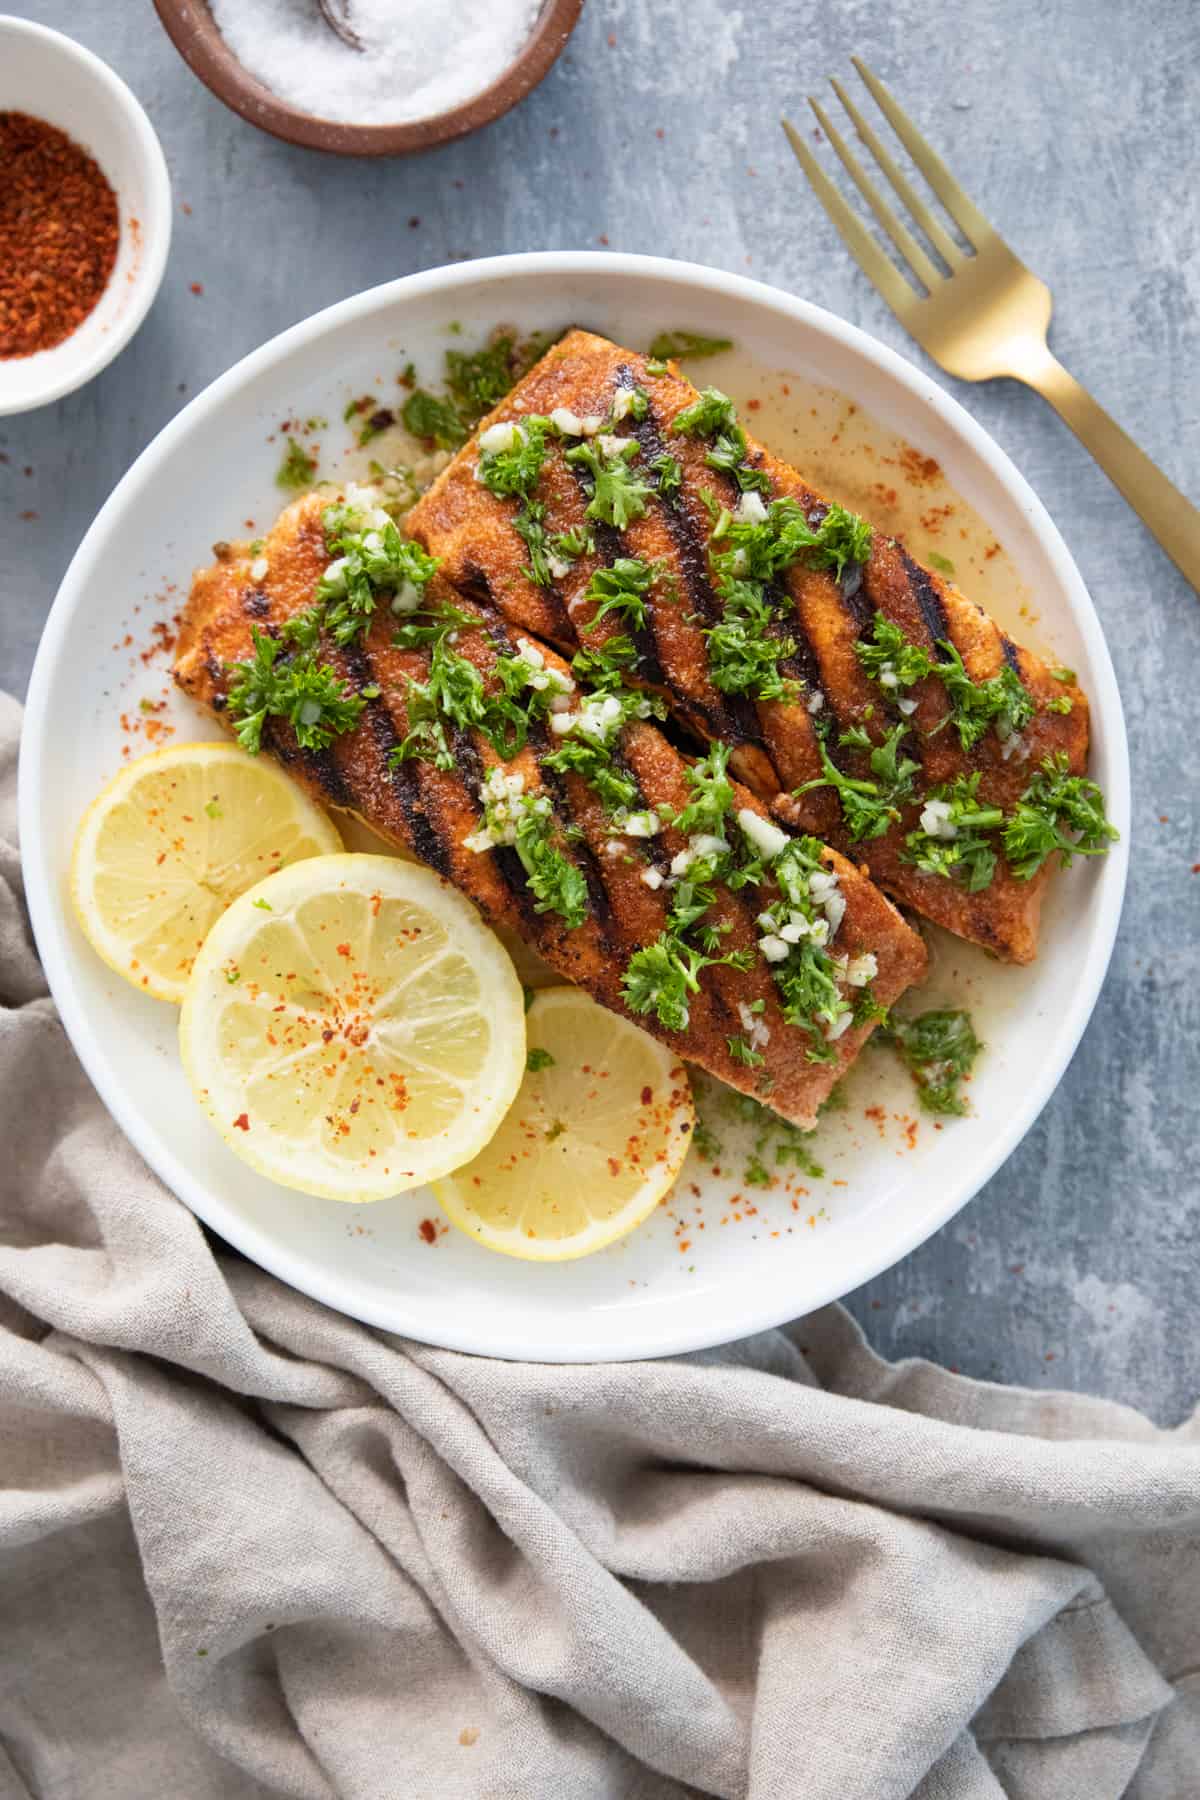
pixel 1164 511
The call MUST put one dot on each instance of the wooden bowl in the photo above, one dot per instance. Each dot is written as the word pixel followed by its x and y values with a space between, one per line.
pixel 193 31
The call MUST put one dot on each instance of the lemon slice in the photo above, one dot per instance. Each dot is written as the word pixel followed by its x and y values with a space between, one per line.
pixel 171 841
pixel 595 1138
pixel 352 1028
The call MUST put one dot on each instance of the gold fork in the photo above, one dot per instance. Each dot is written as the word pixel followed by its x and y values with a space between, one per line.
pixel 987 316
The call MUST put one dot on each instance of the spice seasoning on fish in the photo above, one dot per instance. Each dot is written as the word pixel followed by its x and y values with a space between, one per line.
pixel 59 233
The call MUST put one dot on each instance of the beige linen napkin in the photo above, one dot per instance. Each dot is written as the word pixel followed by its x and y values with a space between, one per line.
pixel 248 1547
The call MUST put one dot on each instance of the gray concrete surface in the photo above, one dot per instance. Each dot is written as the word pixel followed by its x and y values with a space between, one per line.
pixel 1075 124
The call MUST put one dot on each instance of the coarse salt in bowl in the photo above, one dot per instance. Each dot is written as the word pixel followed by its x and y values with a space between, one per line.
pixel 429 70
pixel 408 59
pixel 56 80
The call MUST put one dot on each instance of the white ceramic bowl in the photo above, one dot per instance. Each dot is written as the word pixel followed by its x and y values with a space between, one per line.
pixel 211 469
pixel 49 75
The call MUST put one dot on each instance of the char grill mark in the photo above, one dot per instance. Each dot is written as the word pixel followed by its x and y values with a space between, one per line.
pixel 802 664
pixel 735 716
pixel 586 861
pixel 928 599
pixel 318 765
pixel 404 777
pixel 852 593
pixel 607 540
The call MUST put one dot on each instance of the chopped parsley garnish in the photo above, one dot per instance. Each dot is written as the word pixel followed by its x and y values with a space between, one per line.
pixel 728 455
pixel 939 1049
pixel 371 556
pixel 713 416
pixel 291 685
pixel 747 557
pixel 525 822
pixel 593 762
pixel 1057 811
pixel 890 658
pixel 557 885
pixel 840 539
pixel 894 661
pixel 1063 674
pixel 455 692
pixel 789 1142
pixel 605 667
pixel 298 469
pixel 710 413
pixel 621 589
pixel 942 564
pixel 807 977
pixel 668 473
pixel 712 794
pixel 1062 703
pixel 687 344
pixel 479 379
pixel 537 1059
pixel 516 469
pixel 744 648
pixel 514 472
pixel 661 977
pixel 570 545
pixel 869 806
pixel 741 1052
pixel 529 525
pixel 436 421
pixel 952 838
pixel 619 494
pixel 1001 701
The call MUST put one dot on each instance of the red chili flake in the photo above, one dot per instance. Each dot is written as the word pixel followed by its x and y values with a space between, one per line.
pixel 647 1096
pixel 428 1231
pixel 603 238
pixel 241 1123
pixel 1196 868
pixel 59 232
pixel 343 949
pixel 197 287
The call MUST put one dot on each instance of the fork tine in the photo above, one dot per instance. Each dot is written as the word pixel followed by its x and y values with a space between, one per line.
pixel 962 210
pixel 903 239
pixel 937 234
pixel 858 240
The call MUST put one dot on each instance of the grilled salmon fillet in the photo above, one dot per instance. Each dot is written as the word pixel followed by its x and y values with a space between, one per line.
pixel 821 619
pixel 430 811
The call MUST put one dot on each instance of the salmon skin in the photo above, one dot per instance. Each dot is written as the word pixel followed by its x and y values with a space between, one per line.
pixel 624 885
pixel 819 621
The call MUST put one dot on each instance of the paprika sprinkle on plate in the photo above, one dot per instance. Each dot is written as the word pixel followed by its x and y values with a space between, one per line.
pixel 59 233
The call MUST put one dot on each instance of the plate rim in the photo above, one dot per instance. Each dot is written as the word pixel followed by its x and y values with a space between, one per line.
pixel 326 1286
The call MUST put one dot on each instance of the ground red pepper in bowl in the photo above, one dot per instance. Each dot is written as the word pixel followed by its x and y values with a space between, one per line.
pixel 59 234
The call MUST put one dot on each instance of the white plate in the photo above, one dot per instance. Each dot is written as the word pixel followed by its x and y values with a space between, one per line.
pixel 212 468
